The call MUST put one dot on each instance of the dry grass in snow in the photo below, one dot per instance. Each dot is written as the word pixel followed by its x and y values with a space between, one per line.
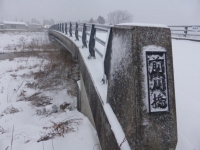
pixel 38 105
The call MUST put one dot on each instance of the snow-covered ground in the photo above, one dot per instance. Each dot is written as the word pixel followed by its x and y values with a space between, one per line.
pixel 187 88
pixel 22 41
pixel 28 125
pixel 22 124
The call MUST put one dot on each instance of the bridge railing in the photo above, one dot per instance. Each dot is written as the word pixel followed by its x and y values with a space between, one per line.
pixel 88 33
pixel 185 31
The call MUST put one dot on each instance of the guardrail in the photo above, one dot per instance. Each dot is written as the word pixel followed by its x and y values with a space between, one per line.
pixel 191 32
pixel 89 37
pixel 87 30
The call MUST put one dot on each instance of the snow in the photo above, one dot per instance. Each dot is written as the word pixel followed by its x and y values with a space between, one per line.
pixel 116 127
pixel 35 24
pixel 192 38
pixel 19 41
pixel 121 48
pixel 22 30
pixel 95 68
pixel 13 22
pixel 101 35
pixel 96 75
pixel 187 84
pixel 100 47
pixel 28 125
pixel 143 25
pixel 79 84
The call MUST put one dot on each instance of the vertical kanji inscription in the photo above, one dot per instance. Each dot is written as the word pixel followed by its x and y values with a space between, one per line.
pixel 157 81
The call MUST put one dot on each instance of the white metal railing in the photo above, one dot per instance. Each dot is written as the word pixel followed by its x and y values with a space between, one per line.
pixel 188 32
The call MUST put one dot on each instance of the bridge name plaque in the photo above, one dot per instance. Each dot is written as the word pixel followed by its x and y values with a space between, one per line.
pixel 157 81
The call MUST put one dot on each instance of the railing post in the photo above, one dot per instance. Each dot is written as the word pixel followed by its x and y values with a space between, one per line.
pixel 186 28
pixel 76 32
pixel 70 29
pixel 63 29
pixel 92 43
pixel 66 28
pixel 84 36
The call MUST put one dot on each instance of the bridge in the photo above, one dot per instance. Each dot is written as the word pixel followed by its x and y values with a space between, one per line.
pixel 126 86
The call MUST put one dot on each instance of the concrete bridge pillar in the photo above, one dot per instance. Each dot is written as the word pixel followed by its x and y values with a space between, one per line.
pixel 139 69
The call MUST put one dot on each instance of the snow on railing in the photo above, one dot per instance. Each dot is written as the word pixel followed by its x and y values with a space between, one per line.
pixel 191 32
pixel 88 31
pixel 95 37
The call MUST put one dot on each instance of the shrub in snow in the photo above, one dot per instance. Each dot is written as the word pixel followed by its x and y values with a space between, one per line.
pixel 9 110
pixel 71 107
pixel 60 128
pixel 64 106
pixel 48 110
pixel 40 100
pixel 2 131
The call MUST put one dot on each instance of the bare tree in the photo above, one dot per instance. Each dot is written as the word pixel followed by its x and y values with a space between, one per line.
pixel 119 16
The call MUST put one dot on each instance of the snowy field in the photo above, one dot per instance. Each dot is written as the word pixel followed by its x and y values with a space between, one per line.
pixel 22 124
pixel 26 124
pixel 187 88
pixel 22 41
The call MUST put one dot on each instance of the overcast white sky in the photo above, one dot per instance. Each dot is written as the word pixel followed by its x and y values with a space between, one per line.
pixel 169 12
